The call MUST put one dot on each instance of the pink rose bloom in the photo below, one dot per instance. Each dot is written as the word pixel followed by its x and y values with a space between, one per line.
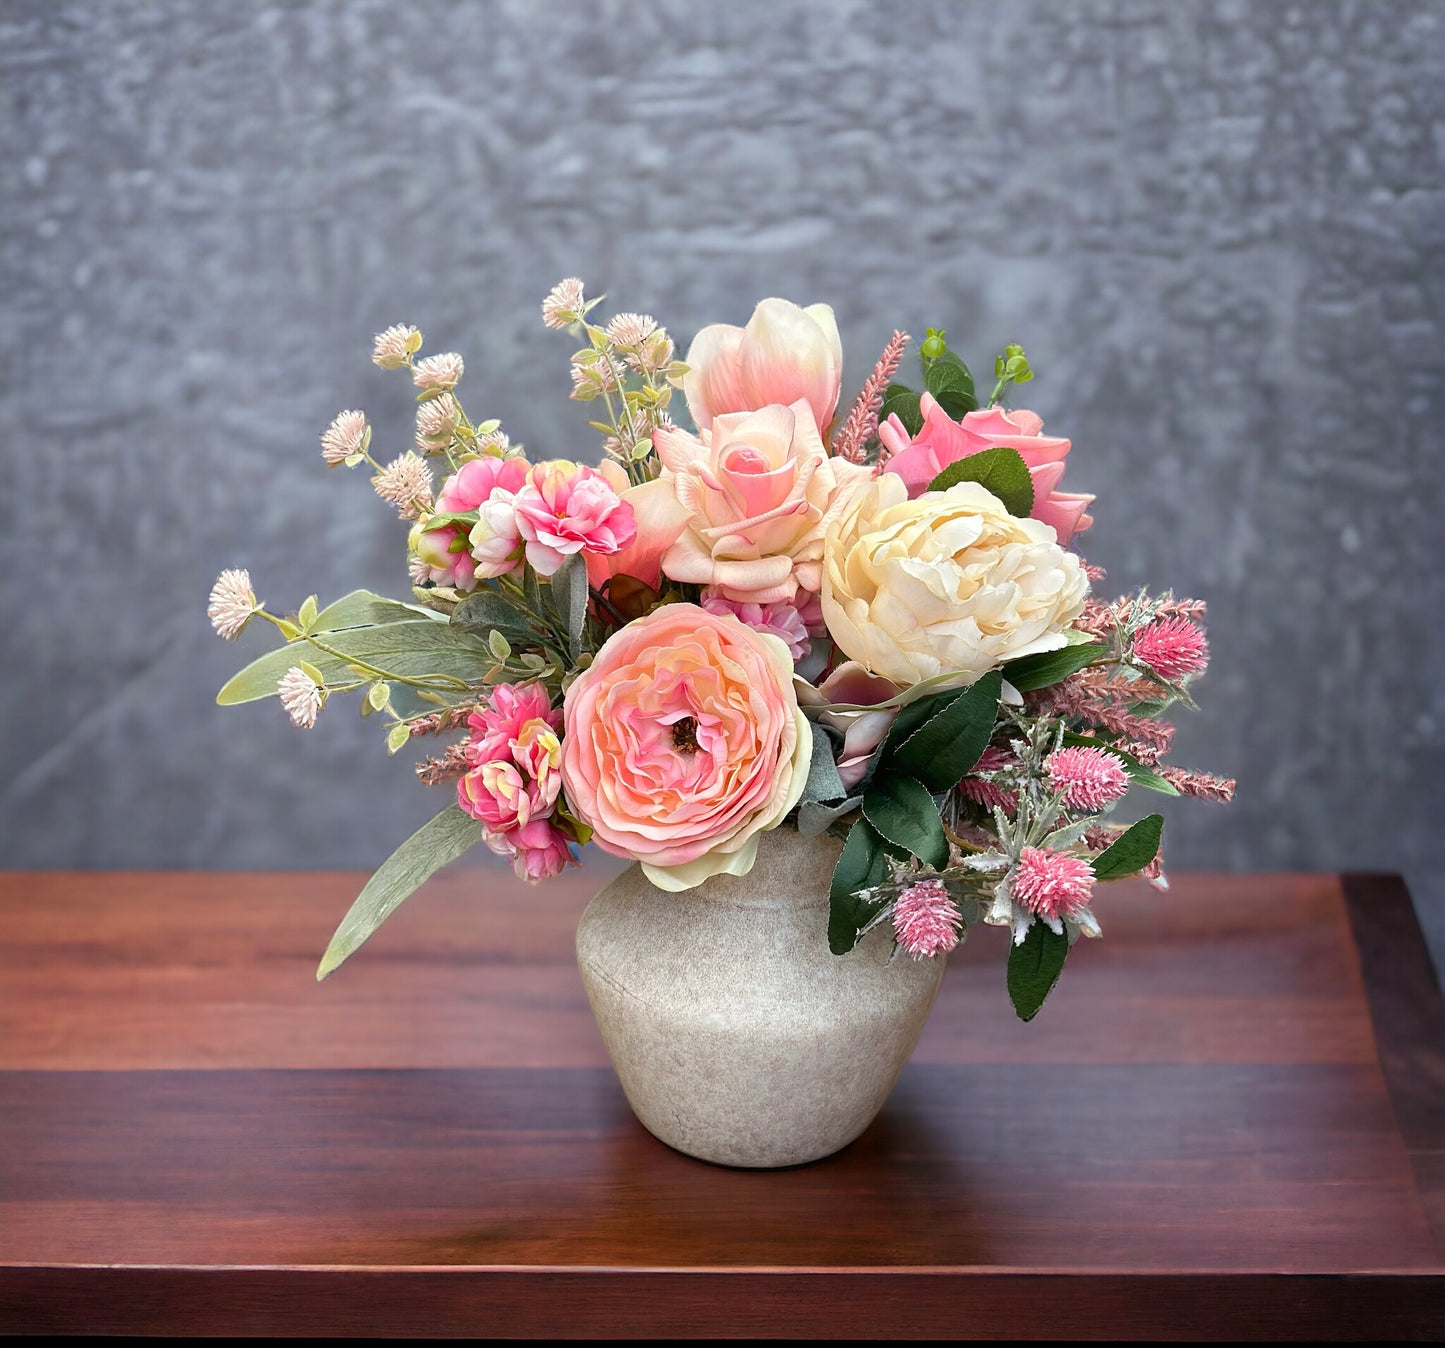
pixel 856 693
pixel 943 441
pixel 508 793
pixel 786 353
pixel 445 551
pixel 565 508
pixel 756 487
pixel 684 742
pixel 780 620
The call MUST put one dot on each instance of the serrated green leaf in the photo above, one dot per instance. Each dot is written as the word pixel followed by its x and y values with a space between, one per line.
pixel 431 847
pixel 864 863
pixel 949 375
pixel 1050 667
pixel 941 750
pixel 1132 850
pixel 1001 470
pixel 903 403
pixel 902 810
pixel 956 405
pixel 1034 967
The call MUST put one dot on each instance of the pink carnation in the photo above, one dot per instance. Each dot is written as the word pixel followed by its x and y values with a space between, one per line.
pixel 508 793
pixel 926 920
pixel 1052 884
pixel 784 621
pixel 565 508
pixel 509 708
pixel 1090 778
pixel 538 851
pixel 1172 648
pixel 445 551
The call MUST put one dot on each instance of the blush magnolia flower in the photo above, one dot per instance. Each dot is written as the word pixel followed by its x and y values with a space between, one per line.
pixel 445 550
pixel 785 354
pixel 850 696
pixel 943 441
pixel 1172 648
pixel 757 487
pixel 1089 778
pixel 564 508
pixel 684 742
pixel 950 583
pixel 926 920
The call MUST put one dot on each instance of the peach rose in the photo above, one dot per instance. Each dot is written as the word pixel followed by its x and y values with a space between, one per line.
pixel 684 742
pixel 757 487
pixel 943 441
pixel 785 353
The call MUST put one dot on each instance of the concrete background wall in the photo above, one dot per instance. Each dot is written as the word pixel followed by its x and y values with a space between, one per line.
pixel 1217 228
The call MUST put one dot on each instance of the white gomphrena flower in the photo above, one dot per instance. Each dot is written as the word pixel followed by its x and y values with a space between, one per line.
pixel 420 572
pixel 436 419
pixel 233 601
pixel 564 304
pixel 393 346
pixel 343 438
pixel 631 329
pixel 406 483
pixel 299 696
pixel 497 441
pixel 441 371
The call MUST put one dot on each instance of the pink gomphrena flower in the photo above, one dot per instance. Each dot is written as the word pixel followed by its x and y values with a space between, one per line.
pixel 631 329
pixel 925 919
pixel 392 347
pixel 406 483
pixel 564 304
pixel 344 437
pixel 1172 648
pixel 299 696
pixel 1051 884
pixel 441 371
pixel 436 419
pixel 232 603
pixel 1090 778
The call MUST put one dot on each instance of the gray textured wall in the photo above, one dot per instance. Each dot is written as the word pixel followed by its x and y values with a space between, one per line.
pixel 1217 228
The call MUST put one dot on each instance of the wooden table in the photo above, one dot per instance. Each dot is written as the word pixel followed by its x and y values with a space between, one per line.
pixel 1229 1122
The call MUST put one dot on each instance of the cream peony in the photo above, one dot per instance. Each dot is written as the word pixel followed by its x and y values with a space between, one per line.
pixel 949 583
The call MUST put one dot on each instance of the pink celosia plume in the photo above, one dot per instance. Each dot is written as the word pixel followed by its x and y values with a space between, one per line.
pixel 1173 648
pixel 1051 884
pixel 1089 778
pixel 926 920
pixel 862 419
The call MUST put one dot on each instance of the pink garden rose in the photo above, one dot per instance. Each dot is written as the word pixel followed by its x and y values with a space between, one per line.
pixel 756 487
pixel 445 551
pixel 564 508
pixel 684 742
pixel 943 441
pixel 785 353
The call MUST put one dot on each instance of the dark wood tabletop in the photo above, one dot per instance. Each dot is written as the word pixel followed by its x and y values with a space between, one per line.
pixel 1229 1122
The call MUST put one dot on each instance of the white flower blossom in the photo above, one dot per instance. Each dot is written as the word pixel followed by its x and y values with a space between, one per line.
pixel 564 304
pixel 232 603
pixel 299 696
pixel 393 346
pixel 344 437
pixel 406 483
pixel 440 371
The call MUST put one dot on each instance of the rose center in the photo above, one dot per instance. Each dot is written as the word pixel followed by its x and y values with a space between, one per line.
pixel 684 735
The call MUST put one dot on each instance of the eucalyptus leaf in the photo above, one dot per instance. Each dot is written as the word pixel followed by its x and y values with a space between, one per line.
pixel 1034 967
pixel 431 847
pixel 901 809
pixel 487 611
pixel 1132 850
pixel 953 739
pixel 863 864
pixel 1001 470
pixel 1050 667
pixel 569 593
pixel 823 780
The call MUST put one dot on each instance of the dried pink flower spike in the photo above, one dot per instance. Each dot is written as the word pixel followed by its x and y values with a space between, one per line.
pixel 1051 884
pixel 1172 648
pixel 233 601
pixel 564 304
pixel 393 346
pixel 1090 778
pixel 440 371
pixel 925 919
pixel 299 696
pixel 344 437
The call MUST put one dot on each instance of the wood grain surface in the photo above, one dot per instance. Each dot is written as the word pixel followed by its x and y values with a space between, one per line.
pixel 1230 1119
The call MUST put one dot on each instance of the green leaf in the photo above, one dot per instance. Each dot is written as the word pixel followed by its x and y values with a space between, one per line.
pixel 569 593
pixel 435 843
pixel 957 405
pixel 823 780
pixel 486 612
pixel 1132 850
pixel 864 863
pixel 1050 667
pixel 378 695
pixel 361 608
pixel 1001 470
pixel 463 519
pixel 953 739
pixel 397 736
pixel 306 614
pixel 903 812
pixel 903 403
pixel 1034 967
pixel 948 377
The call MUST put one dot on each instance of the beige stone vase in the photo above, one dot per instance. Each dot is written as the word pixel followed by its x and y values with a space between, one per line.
pixel 738 1036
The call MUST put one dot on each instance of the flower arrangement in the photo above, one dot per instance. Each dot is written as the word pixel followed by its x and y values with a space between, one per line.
pixel 868 624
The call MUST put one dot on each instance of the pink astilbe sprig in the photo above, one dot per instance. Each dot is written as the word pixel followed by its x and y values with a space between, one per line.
pixel 862 419
pixel 980 790
pixel 1089 778
pixel 1201 785
pixel 926 919
pixel 1100 698
pixel 1172 647
pixel 454 762
pixel 1051 884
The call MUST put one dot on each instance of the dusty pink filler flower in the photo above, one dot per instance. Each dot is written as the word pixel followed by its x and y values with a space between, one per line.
pixel 565 508
pixel 1052 884
pixel 1172 648
pixel 925 920
pixel 1090 778
pixel 783 621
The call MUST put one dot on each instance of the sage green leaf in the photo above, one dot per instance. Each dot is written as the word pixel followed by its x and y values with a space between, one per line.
pixel 1050 667
pixel 814 817
pixel 864 863
pixel 1132 850
pixel 1034 967
pixel 431 847
pixel 823 780
pixel 361 608
pixel 487 611
pixel 953 739
pixel 903 812
pixel 569 593
pixel 1001 470
pixel 461 519
pixel 903 403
